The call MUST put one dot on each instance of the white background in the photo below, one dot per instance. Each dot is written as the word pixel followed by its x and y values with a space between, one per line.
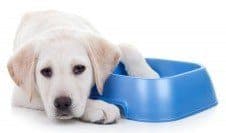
pixel 193 30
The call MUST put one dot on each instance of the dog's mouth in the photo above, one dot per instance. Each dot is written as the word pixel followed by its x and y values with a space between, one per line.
pixel 64 115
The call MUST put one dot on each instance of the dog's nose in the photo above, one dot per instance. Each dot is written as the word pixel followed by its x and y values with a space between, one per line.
pixel 62 103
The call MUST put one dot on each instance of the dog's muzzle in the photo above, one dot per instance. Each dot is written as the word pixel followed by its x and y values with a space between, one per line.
pixel 63 106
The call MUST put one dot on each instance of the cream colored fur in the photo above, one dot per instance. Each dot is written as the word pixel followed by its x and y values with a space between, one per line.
pixel 60 41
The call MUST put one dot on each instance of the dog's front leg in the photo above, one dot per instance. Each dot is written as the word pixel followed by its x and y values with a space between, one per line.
pixel 101 112
pixel 21 99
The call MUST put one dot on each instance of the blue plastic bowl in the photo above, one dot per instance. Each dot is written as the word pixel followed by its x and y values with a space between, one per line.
pixel 183 89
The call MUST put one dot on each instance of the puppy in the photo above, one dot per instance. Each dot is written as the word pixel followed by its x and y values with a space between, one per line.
pixel 58 58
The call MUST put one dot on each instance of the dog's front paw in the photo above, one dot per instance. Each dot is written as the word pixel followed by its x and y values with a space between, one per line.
pixel 101 112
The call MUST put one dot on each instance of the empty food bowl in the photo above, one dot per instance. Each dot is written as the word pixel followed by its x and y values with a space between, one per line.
pixel 183 89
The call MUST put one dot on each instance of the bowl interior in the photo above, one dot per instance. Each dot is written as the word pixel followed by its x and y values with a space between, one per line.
pixel 166 68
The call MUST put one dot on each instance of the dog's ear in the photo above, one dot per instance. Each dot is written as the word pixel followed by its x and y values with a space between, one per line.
pixel 21 68
pixel 104 57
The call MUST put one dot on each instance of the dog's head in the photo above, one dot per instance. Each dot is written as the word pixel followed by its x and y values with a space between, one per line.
pixel 62 70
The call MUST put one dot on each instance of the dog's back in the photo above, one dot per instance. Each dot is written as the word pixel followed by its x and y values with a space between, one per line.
pixel 35 24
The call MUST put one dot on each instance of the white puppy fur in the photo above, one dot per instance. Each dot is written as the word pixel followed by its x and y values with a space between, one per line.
pixel 135 64
pixel 60 55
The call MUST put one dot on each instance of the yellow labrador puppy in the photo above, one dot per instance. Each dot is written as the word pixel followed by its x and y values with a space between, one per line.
pixel 57 59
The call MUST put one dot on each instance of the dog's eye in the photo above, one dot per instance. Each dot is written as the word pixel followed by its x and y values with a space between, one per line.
pixel 46 72
pixel 78 69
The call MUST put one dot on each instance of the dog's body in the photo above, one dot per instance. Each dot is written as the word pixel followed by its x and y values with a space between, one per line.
pixel 58 58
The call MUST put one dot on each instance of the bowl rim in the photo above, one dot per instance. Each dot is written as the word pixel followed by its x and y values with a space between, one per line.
pixel 200 67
